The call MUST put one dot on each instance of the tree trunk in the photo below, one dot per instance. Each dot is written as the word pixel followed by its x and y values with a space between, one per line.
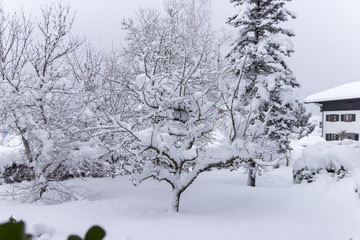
pixel 175 200
pixel 287 161
pixel 252 174
pixel 28 156
pixel 287 157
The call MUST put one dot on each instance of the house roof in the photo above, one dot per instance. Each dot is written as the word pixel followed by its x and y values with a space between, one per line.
pixel 345 91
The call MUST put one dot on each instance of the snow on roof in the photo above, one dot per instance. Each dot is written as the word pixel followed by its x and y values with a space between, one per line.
pixel 345 91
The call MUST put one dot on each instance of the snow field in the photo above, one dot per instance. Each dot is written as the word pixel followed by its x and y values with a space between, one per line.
pixel 217 206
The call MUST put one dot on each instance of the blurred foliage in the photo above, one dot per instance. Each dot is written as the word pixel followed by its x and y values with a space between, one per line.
pixel 15 230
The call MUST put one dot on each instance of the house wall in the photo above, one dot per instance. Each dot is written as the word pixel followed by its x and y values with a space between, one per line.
pixel 337 127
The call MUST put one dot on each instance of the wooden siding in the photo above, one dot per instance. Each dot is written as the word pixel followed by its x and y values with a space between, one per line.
pixel 341 105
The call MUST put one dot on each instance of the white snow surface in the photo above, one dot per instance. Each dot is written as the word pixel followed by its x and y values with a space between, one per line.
pixel 324 154
pixel 217 206
pixel 345 91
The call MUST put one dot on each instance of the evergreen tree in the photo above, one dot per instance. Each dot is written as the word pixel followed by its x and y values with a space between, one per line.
pixel 265 82
pixel 302 121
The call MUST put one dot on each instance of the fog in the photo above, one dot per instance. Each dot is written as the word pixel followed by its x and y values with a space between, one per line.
pixel 327 33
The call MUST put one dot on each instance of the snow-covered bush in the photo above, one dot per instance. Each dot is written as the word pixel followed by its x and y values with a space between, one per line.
pixel 335 158
pixel 19 172
pixel 15 173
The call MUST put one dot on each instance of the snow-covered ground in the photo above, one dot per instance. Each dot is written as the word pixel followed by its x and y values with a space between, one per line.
pixel 217 206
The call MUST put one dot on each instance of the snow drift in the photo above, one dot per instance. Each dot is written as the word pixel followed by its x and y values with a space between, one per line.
pixel 336 158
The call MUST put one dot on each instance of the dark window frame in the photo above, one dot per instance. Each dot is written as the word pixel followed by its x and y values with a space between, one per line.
pixel 332 137
pixel 348 117
pixel 332 118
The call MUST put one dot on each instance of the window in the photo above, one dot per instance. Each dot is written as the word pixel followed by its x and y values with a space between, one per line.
pixel 356 137
pixel 332 118
pixel 332 137
pixel 348 117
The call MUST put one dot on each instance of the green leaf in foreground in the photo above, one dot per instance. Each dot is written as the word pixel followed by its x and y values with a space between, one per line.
pixel 95 233
pixel 12 231
pixel 74 237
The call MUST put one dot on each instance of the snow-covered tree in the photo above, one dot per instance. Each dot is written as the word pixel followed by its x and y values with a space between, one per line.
pixel 15 40
pixel 302 121
pixel 262 89
pixel 106 96
pixel 174 97
pixel 38 97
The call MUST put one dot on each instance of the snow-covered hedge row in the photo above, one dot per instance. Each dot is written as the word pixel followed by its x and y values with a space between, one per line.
pixel 17 172
pixel 335 158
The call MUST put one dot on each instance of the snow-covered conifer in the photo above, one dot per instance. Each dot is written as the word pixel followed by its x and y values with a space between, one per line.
pixel 263 84
pixel 302 123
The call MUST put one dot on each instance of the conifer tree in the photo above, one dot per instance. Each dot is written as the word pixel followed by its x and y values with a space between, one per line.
pixel 302 121
pixel 265 92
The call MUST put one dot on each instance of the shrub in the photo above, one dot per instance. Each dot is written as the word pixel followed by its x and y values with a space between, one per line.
pixel 334 158
pixel 310 175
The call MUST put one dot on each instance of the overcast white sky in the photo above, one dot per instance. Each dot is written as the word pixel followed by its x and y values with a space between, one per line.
pixel 327 42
